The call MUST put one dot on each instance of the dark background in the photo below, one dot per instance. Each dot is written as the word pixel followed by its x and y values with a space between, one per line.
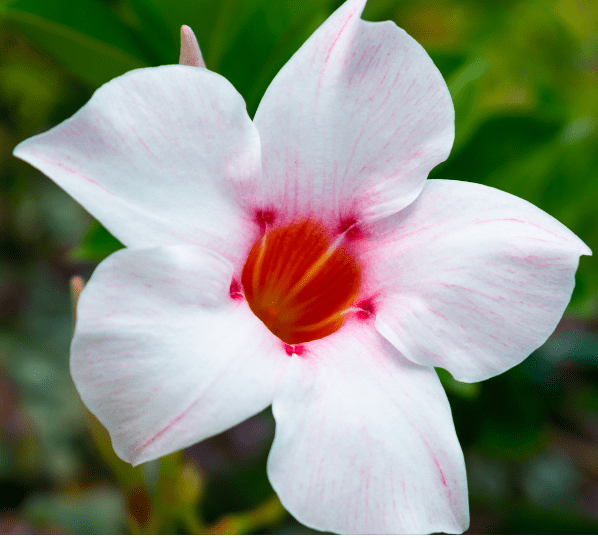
pixel 524 78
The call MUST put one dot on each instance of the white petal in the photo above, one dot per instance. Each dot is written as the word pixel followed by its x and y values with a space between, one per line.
pixel 365 441
pixel 163 355
pixel 469 278
pixel 164 155
pixel 354 122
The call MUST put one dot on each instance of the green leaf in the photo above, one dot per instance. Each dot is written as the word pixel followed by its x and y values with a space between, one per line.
pixel 582 348
pixel 83 35
pixel 209 19
pixel 158 36
pixel 274 33
pixel 246 41
pixel 468 391
pixel 100 510
pixel 527 518
pixel 97 245
pixel 464 88
pixel 514 417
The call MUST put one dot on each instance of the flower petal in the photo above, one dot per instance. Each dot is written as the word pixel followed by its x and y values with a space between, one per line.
pixel 164 155
pixel 163 355
pixel 470 278
pixel 365 441
pixel 354 122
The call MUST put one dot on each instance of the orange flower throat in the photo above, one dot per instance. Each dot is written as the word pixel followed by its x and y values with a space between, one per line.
pixel 299 283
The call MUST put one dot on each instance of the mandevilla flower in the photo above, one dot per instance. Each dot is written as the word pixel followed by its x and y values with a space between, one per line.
pixel 303 260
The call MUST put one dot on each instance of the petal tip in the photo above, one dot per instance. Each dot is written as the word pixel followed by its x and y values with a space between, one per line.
pixel 132 454
pixel 20 150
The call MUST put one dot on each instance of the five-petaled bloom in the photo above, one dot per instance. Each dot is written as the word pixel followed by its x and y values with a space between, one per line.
pixel 303 260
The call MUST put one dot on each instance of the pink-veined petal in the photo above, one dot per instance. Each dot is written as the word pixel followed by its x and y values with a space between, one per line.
pixel 469 278
pixel 365 441
pixel 164 155
pixel 163 355
pixel 354 122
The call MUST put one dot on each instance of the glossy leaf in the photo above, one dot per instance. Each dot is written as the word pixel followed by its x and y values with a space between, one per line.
pixel 97 245
pixel 83 35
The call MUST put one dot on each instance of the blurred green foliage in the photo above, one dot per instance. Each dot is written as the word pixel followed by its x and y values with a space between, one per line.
pixel 524 78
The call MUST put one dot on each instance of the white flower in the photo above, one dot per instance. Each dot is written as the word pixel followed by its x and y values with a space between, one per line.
pixel 370 274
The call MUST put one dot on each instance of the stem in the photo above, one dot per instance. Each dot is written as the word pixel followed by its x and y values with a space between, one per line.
pixel 270 512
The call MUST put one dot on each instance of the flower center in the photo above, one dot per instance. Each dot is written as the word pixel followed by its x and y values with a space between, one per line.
pixel 299 283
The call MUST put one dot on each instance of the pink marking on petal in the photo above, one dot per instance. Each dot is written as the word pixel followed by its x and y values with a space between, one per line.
pixel 70 170
pixel 147 148
pixel 449 493
pixel 439 314
pixel 439 469
pixel 235 290
pixel 297 349
pixel 350 227
pixel 138 449
pixel 264 218
pixel 527 223
pixel 367 308
pixel 334 42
